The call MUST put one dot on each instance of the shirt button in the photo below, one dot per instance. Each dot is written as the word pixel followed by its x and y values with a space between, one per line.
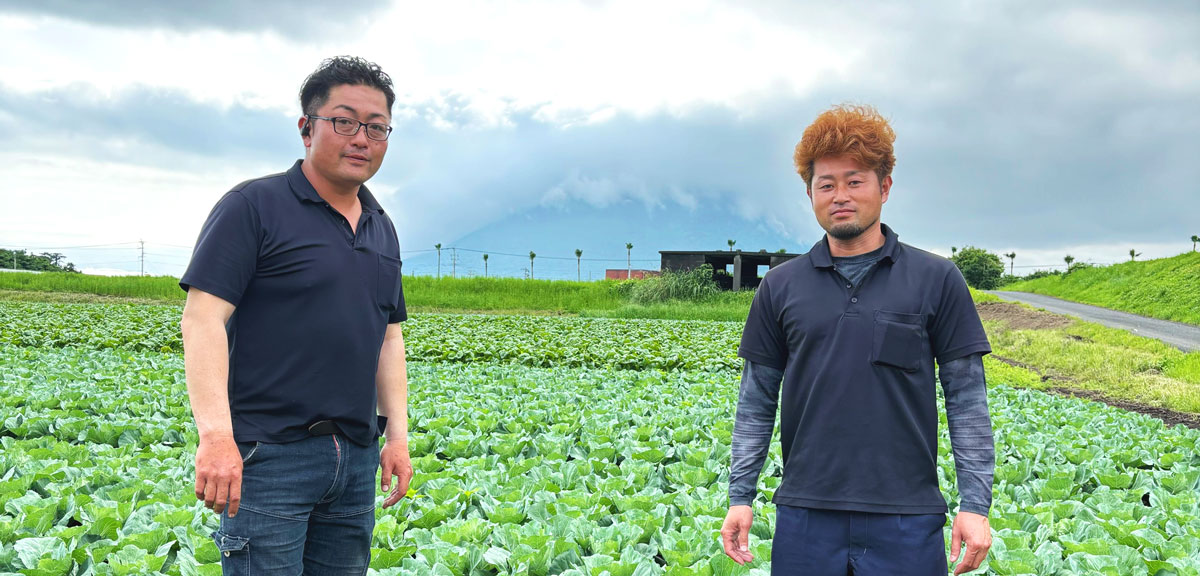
pixel 849 285
pixel 854 299
pixel 226 554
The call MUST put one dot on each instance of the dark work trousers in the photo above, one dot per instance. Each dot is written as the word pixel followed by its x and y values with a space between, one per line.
pixel 814 542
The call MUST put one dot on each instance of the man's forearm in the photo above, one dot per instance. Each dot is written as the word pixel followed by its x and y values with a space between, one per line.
pixel 206 369
pixel 753 426
pixel 391 384
pixel 971 439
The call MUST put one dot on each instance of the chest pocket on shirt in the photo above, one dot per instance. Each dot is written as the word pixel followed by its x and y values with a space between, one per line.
pixel 898 340
pixel 388 292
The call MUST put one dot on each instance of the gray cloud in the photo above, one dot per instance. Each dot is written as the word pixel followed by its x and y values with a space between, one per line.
pixel 293 18
pixel 1020 126
pixel 1027 124
pixel 142 126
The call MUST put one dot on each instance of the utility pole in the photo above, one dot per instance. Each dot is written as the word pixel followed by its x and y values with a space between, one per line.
pixel 142 257
pixel 453 262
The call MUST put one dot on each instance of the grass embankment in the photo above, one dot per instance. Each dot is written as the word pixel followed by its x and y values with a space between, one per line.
pixel 1040 350
pixel 1166 288
pixel 1037 349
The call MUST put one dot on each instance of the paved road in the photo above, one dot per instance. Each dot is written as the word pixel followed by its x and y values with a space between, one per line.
pixel 1186 337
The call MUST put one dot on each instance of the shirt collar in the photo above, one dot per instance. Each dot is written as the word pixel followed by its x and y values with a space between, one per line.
pixel 821 258
pixel 304 191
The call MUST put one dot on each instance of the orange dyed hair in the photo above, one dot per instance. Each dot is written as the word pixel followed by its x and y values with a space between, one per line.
pixel 859 132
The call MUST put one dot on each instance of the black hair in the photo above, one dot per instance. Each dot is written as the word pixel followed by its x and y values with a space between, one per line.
pixel 338 71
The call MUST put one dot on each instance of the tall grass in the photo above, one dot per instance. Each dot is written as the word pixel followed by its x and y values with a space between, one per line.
pixel 510 294
pixel 689 285
pixel 608 298
pixel 1166 288
pixel 144 287
pixel 725 306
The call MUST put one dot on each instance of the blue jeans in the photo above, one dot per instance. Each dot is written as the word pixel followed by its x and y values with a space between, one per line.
pixel 308 507
pixel 816 542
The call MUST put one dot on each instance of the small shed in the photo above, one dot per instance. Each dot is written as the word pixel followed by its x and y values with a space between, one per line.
pixel 732 269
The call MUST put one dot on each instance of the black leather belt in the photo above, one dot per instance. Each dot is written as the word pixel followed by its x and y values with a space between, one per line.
pixel 323 428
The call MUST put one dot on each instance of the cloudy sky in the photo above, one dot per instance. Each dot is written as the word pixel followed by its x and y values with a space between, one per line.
pixel 1044 129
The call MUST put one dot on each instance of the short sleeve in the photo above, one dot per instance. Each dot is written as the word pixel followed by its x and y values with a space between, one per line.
pixel 956 330
pixel 400 314
pixel 763 341
pixel 226 254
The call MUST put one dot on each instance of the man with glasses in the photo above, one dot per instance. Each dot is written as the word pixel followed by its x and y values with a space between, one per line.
pixel 292 344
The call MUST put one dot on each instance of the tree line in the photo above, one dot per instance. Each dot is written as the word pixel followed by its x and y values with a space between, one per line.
pixel 44 262
pixel 984 270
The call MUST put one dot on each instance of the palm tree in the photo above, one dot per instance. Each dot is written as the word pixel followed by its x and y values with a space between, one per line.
pixel 531 257
pixel 1068 259
pixel 578 256
pixel 485 257
pixel 439 249
pixel 1012 256
pixel 1133 254
pixel 1195 239
pixel 731 243
pixel 953 251
pixel 628 260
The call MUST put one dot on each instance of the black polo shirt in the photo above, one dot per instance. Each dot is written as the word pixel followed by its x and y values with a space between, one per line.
pixel 313 300
pixel 859 422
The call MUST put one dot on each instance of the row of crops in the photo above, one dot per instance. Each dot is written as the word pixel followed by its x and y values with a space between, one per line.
pixel 535 341
pixel 541 446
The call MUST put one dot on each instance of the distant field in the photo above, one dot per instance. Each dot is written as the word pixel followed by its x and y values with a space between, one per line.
pixel 603 299
pixel 1167 288
pixel 143 287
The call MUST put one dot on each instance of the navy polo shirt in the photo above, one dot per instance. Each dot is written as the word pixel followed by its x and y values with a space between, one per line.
pixel 858 403
pixel 313 299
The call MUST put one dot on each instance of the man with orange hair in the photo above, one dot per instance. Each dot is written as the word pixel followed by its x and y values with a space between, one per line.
pixel 842 342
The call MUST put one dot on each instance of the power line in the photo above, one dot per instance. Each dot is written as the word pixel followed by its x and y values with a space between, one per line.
pixel 559 257
pixel 74 247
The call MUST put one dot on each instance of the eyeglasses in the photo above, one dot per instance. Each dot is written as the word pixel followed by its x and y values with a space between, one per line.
pixel 349 127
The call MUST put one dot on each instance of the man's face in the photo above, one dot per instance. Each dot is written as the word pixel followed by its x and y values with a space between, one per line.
pixel 347 160
pixel 847 197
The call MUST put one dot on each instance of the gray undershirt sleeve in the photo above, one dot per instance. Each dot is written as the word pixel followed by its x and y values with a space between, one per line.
pixel 970 425
pixel 753 426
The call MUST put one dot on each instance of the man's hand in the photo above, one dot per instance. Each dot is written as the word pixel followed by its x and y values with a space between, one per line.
pixel 394 461
pixel 219 474
pixel 973 530
pixel 735 534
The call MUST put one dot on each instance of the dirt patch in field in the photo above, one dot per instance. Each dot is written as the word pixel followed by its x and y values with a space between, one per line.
pixel 1018 317
pixel 1064 388
pixel 1169 417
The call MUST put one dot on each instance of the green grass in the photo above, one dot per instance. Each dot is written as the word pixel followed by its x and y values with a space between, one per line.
pixel 1113 362
pixel 141 287
pixel 513 294
pixel 423 294
pixel 727 306
pixel 979 296
pixel 1167 288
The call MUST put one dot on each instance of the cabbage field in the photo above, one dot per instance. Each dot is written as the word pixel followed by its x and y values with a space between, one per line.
pixel 541 445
